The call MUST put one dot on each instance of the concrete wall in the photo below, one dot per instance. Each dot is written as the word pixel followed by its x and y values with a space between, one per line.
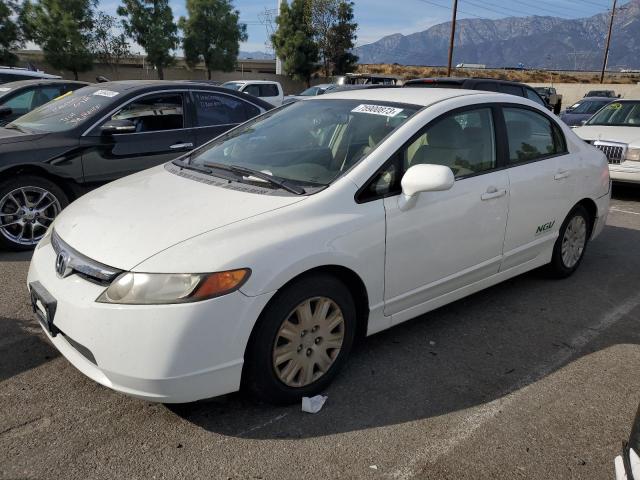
pixel 572 92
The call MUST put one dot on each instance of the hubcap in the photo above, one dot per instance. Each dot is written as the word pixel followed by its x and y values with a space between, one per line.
pixel 308 342
pixel 573 242
pixel 26 213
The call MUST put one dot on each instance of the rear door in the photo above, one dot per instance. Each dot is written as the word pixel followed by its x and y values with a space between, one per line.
pixel 216 112
pixel 542 176
pixel 163 132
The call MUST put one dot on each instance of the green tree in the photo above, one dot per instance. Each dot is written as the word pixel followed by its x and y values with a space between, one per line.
pixel 293 40
pixel 10 34
pixel 107 44
pixel 150 23
pixel 62 29
pixel 342 37
pixel 212 33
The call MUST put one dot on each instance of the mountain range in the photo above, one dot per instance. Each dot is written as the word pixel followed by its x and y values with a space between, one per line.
pixel 535 41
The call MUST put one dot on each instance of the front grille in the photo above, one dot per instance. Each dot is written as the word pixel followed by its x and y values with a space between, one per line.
pixel 614 151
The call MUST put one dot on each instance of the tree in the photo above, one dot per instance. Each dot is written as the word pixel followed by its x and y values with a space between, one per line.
pixel 10 34
pixel 293 40
pixel 334 31
pixel 107 44
pixel 212 33
pixel 150 23
pixel 62 29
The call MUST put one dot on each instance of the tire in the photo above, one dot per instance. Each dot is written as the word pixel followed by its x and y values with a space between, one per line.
pixel 35 201
pixel 265 373
pixel 574 232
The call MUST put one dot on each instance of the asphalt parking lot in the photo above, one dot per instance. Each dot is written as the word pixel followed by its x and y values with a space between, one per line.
pixel 533 378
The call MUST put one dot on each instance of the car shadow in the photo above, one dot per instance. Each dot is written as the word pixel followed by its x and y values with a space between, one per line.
pixel 625 191
pixel 468 353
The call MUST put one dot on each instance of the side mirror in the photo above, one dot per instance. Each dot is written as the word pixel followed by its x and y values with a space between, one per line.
pixel 118 126
pixel 5 111
pixel 424 178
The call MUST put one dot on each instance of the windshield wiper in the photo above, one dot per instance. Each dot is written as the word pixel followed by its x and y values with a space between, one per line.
pixel 249 172
pixel 206 171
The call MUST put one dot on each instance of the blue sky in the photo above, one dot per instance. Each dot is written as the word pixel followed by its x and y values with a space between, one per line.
pixel 377 18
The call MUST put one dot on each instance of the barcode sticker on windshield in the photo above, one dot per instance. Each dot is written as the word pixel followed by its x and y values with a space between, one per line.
pixel 105 93
pixel 377 110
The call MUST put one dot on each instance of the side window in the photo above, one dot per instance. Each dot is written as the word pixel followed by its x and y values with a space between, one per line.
pixel 487 86
pixel 385 182
pixel 511 90
pixel 45 94
pixel 531 135
pixel 268 90
pixel 464 142
pixel 253 90
pixel 154 113
pixel 21 103
pixel 532 95
pixel 214 109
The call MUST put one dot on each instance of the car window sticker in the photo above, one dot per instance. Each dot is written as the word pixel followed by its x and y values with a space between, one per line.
pixel 106 93
pixel 377 110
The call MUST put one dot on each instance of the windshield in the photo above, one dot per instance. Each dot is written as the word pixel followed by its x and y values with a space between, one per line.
pixel 310 142
pixel 622 114
pixel 233 85
pixel 68 111
pixel 590 107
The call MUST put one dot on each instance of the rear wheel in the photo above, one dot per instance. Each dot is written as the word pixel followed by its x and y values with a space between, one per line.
pixel 571 244
pixel 28 206
pixel 301 340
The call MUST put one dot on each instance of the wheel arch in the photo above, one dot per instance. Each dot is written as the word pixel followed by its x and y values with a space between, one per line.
pixel 70 188
pixel 591 208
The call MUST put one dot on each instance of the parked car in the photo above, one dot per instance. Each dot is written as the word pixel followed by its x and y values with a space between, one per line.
pixel 486 84
pixel 253 261
pixel 602 93
pixel 97 134
pixel 551 97
pixel 18 98
pixel 333 87
pixel 627 464
pixel 579 114
pixel 367 79
pixel 316 90
pixel 266 90
pixel 615 130
pixel 13 74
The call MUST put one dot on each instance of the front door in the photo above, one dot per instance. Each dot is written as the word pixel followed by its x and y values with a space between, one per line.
pixel 162 134
pixel 449 239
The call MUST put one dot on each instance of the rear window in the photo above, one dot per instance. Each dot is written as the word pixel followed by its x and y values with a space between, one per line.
pixel 268 90
pixel 512 90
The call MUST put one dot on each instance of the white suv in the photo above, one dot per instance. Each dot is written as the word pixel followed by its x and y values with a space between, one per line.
pixel 266 90
pixel 255 259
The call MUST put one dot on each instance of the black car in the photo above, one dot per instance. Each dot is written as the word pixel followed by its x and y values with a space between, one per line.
pixel 97 134
pixel 18 98
pixel 486 84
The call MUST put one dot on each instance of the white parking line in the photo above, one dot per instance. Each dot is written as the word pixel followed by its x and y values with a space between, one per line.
pixel 613 209
pixel 477 417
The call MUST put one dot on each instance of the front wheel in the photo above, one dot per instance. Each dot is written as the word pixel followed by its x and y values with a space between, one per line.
pixel 301 340
pixel 571 244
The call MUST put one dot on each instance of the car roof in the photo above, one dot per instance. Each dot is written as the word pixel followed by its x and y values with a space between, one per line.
pixel 596 99
pixel 28 73
pixel 250 81
pixel 415 96
pixel 461 80
pixel 41 81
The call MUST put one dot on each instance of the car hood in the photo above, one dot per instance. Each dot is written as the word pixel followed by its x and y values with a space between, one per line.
pixel 9 135
pixel 629 135
pixel 575 118
pixel 132 219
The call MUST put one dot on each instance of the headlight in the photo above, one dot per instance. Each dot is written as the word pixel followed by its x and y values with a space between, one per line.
pixel 633 155
pixel 133 288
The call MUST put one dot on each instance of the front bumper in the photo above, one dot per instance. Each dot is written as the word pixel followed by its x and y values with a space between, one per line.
pixel 164 353
pixel 628 172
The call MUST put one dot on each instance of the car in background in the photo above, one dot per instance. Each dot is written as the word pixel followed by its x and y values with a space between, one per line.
pixel 486 84
pixel 97 134
pixel 18 98
pixel 254 261
pixel 333 88
pixel 583 110
pixel 367 79
pixel 615 130
pixel 601 93
pixel 316 90
pixel 13 74
pixel 551 97
pixel 265 89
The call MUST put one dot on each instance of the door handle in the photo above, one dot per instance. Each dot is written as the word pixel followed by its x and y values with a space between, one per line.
pixel 180 146
pixel 493 192
pixel 560 174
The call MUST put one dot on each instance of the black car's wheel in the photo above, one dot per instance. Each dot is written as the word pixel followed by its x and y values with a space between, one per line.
pixel 300 341
pixel 571 244
pixel 28 206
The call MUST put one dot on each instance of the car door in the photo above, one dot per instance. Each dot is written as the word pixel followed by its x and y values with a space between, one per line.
pixel 162 133
pixel 542 176
pixel 448 239
pixel 217 112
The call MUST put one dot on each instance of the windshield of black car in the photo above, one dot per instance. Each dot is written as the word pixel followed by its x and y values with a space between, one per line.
pixel 618 114
pixel 590 107
pixel 311 142
pixel 68 111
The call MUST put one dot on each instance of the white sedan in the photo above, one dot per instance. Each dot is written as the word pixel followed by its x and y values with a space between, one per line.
pixel 256 260
pixel 615 130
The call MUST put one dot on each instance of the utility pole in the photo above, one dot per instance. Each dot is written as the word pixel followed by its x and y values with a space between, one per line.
pixel 453 34
pixel 606 49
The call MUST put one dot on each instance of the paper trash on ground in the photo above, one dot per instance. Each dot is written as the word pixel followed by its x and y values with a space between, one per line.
pixel 313 404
